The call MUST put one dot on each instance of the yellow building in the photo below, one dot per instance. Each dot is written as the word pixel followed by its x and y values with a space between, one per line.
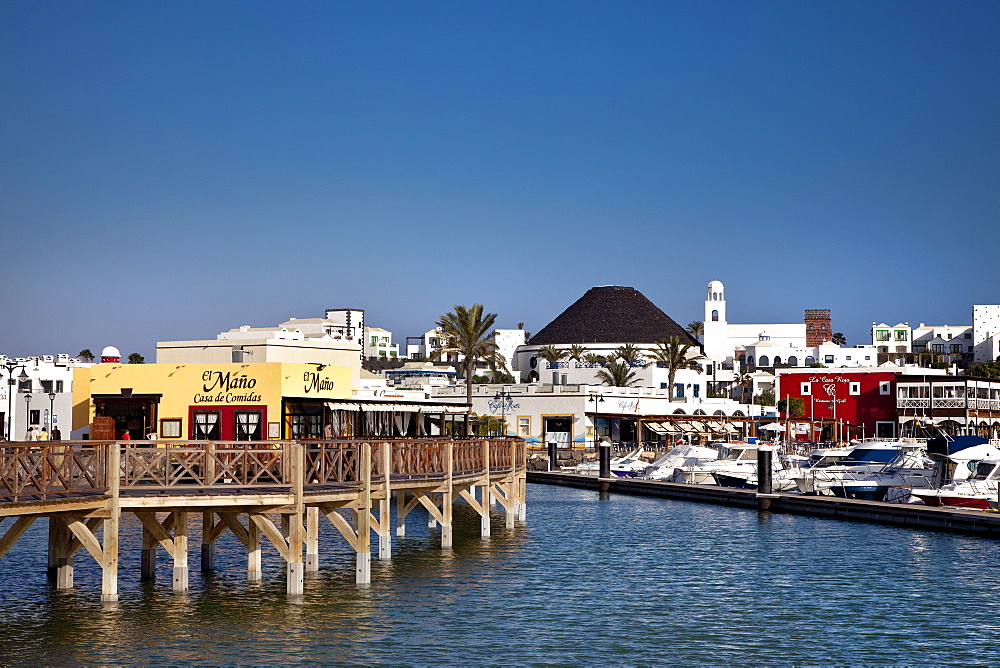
pixel 214 401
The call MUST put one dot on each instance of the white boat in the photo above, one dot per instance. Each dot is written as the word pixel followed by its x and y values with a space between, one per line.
pixel 881 470
pixel 734 458
pixel 662 468
pixel 629 465
pixel 973 465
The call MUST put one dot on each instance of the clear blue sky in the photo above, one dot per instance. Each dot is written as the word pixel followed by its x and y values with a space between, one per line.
pixel 170 170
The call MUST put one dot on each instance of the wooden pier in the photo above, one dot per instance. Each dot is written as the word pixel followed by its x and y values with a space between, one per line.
pixel 911 516
pixel 84 487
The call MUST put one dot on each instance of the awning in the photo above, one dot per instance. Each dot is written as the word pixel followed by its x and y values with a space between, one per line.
pixel 342 407
pixel 657 427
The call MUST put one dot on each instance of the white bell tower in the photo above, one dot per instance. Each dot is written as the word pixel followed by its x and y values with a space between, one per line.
pixel 716 330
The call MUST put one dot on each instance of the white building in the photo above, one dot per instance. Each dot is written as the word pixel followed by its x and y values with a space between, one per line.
pixel 37 392
pixel 420 348
pixel 725 341
pixel 978 342
pixel 986 332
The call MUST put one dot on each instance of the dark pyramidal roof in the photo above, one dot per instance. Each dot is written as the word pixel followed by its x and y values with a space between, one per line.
pixel 611 314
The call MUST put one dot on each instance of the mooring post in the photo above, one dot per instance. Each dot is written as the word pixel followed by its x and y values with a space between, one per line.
pixel 764 484
pixel 295 571
pixel 312 539
pixel 553 455
pixel 400 512
pixel 253 551
pixel 604 465
pixel 484 518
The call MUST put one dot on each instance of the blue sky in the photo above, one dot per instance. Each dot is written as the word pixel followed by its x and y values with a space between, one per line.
pixel 172 170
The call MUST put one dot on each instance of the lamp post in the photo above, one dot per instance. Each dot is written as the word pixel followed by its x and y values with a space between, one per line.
pixel 27 407
pixel 52 401
pixel 10 365
pixel 597 398
pixel 503 396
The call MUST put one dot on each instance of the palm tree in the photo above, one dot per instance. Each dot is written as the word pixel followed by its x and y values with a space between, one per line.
pixel 576 352
pixel 86 355
pixel 594 357
pixel 839 339
pixel 136 358
pixel 551 354
pixel 742 380
pixel 697 328
pixel 629 352
pixel 672 353
pixel 466 331
pixel 617 374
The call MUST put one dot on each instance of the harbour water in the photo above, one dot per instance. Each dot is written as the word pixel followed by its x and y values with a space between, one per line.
pixel 586 580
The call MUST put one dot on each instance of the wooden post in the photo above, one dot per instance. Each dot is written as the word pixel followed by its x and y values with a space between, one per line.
pixel 60 556
pixel 180 550
pixel 400 513
pixel 484 517
pixel 109 562
pixel 253 551
pixel 447 497
pixel 510 510
pixel 147 555
pixel 295 583
pixel 312 539
pixel 207 542
pixel 363 574
pixel 384 512
pixel 522 485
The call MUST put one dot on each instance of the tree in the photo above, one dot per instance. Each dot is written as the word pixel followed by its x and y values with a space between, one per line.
pixel 617 374
pixel 630 353
pixel 527 335
pixel 594 357
pixel 466 332
pixel 671 353
pixel 985 370
pixel 743 380
pixel 839 339
pixel 576 352
pixel 551 354
pixel 136 358
pixel 765 398
pixel 697 328
pixel 792 406
pixel 86 355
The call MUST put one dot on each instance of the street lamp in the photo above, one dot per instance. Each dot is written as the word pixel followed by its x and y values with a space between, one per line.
pixel 52 401
pixel 503 396
pixel 27 407
pixel 597 399
pixel 10 365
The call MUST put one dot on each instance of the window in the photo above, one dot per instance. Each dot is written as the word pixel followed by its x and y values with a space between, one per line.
pixel 885 429
pixel 868 358
pixel 848 358
pixel 967 335
pixel 764 361
pixel 750 360
pixel 696 390
pixel 822 325
pixel 24 385
pixel 811 326
pixel 59 386
pixel 884 387
pixel 34 417
pixel 810 360
pixel 793 361
pixel 828 359
pixel 855 388
pixel 678 389
pixel 777 360
pixel 663 386
pixel 248 426
pixel 956 347
pixel 524 427
pixel 46 386
pixel 805 388
pixel 207 426
pixel 938 347
pixel 170 428
pixel 715 316
pixel 900 334
pixel 881 334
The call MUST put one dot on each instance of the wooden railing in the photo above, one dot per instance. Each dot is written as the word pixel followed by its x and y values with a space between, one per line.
pixel 39 472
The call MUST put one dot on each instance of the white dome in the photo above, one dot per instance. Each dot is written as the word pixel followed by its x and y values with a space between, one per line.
pixel 715 285
pixel 110 351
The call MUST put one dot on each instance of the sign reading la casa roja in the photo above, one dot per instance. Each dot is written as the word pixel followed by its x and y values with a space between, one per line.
pixel 226 387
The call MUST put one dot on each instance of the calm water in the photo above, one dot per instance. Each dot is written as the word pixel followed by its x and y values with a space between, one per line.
pixel 620 580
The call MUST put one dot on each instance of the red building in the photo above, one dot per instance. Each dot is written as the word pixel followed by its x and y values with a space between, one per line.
pixel 849 402
pixel 818 328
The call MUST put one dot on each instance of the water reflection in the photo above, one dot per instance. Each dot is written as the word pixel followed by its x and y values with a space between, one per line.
pixel 618 580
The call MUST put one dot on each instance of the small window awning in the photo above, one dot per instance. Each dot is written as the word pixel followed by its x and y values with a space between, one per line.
pixel 396 407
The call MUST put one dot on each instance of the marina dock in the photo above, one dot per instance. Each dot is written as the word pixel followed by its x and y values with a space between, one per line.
pixel 911 516
pixel 84 488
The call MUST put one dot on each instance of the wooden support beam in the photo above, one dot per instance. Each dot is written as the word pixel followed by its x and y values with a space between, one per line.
pixel 271 532
pixel 15 531
pixel 180 553
pixel 384 509
pixel 254 572
pixel 312 539
pixel 447 497
pixel 296 568
pixel 363 572
pixel 158 532
pixel 109 564
pixel 207 542
pixel 232 522
pixel 333 515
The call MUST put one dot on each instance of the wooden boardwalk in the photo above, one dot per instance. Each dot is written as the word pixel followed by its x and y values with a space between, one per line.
pixel 83 487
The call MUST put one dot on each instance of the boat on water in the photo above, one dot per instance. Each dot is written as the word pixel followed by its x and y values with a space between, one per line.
pixel 733 458
pixel 662 468
pixel 876 470
pixel 973 464
pixel 784 468
pixel 626 466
